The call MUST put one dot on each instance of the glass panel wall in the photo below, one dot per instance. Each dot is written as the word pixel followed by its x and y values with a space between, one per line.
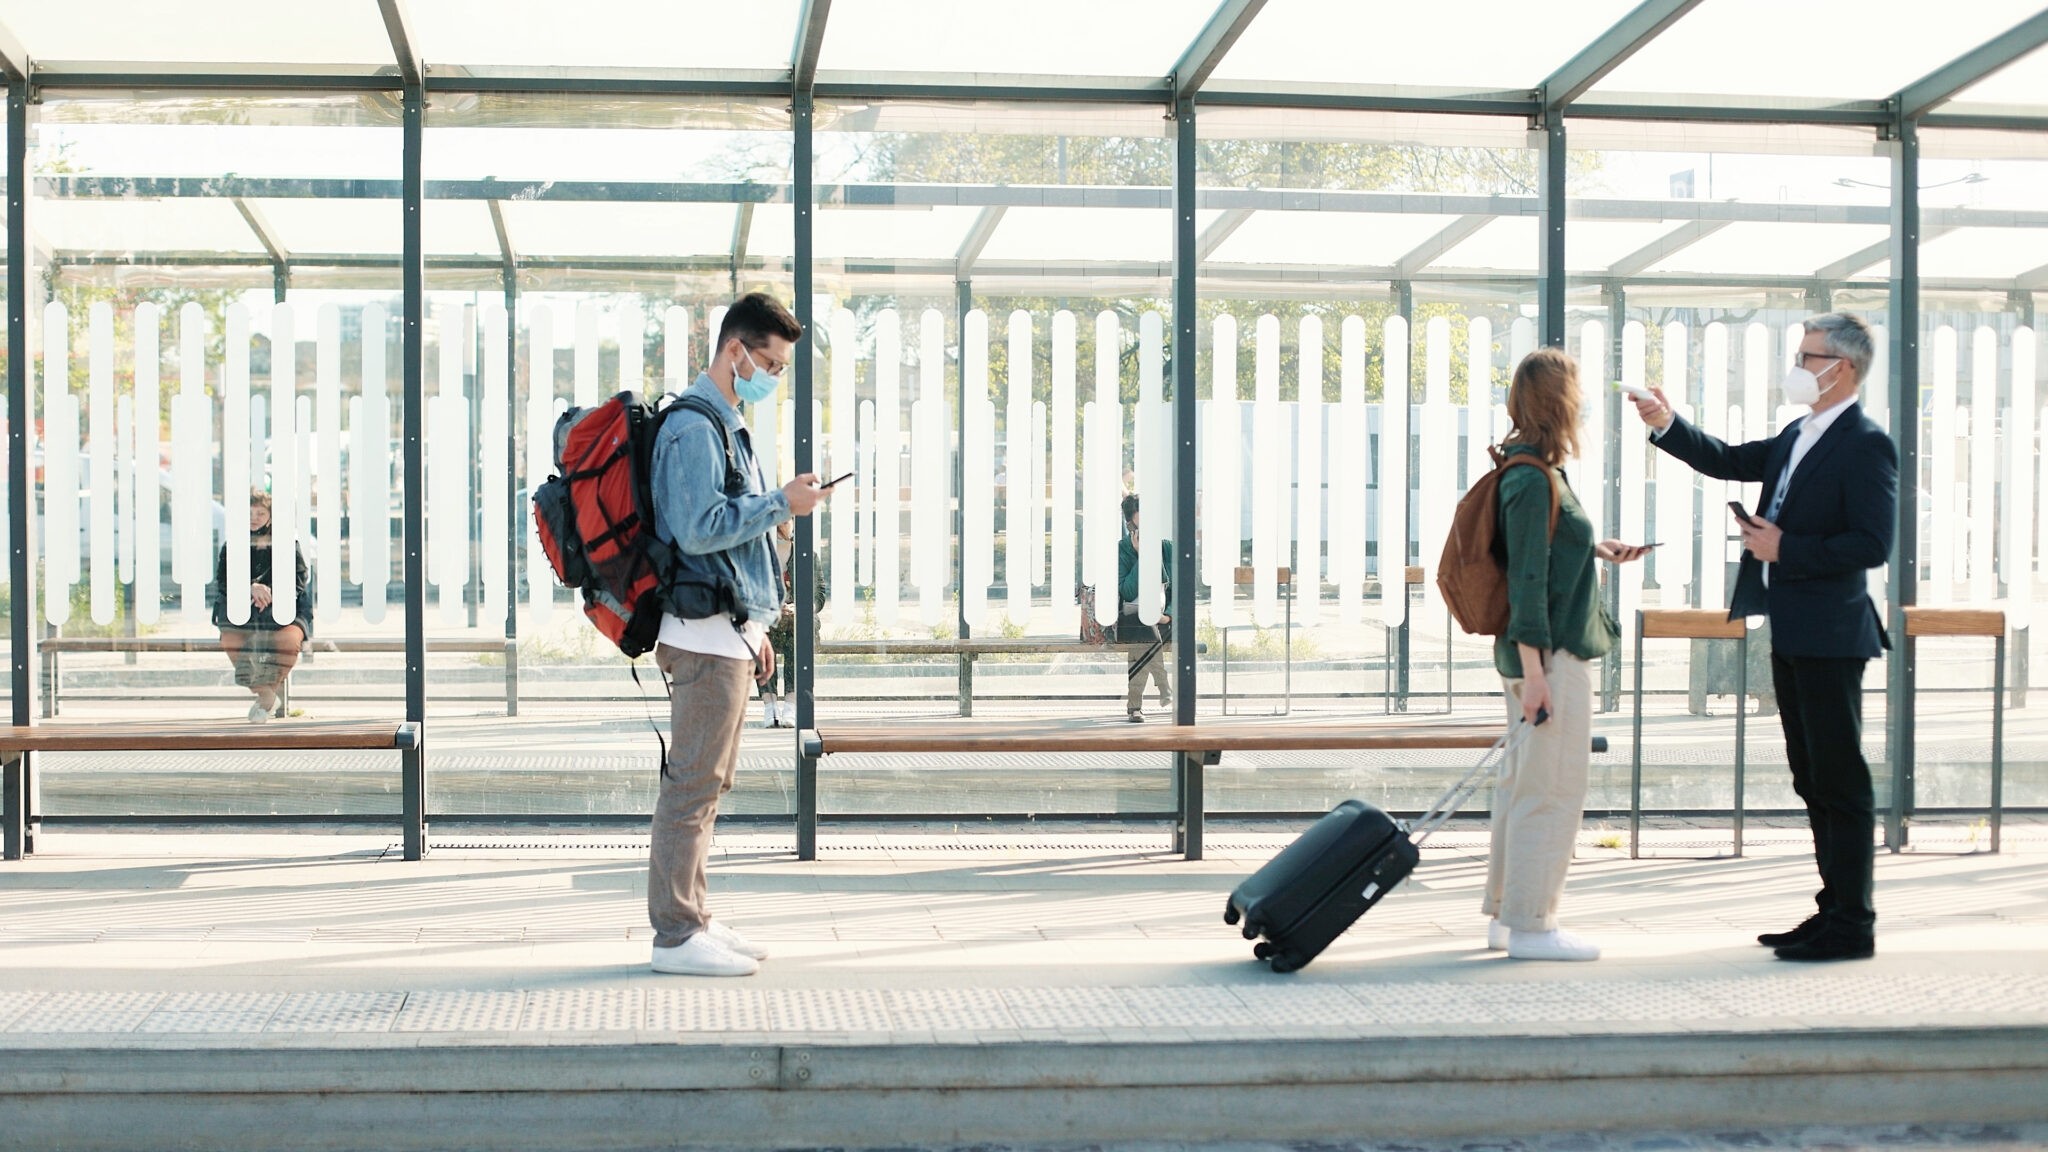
pixel 1365 289
pixel 576 248
pixel 198 360
pixel 1017 257
pixel 1693 258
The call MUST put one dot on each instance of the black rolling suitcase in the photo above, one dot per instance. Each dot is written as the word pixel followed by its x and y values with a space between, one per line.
pixel 1337 870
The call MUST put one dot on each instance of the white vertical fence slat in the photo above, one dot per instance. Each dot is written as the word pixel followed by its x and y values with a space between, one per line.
pixel 377 492
pixel 1939 588
pixel 1102 442
pixel 2019 483
pixel 842 371
pixel 977 472
pixel 587 388
pixel 1393 474
pixel 284 462
pixel 1062 524
pixel 147 471
pixel 1983 442
pixel 675 349
pixel 632 324
pixel 327 475
pixel 1268 480
pixel 1350 457
pixel 1153 437
pixel 1634 354
pixel 888 530
pixel 931 490
pixel 192 526
pixel 60 467
pixel 1589 472
pixel 448 503
pixel 1308 516
pixel 1676 524
pixel 1479 434
pixel 540 451
pixel 235 449
pixel 1715 524
pixel 494 467
pixel 1035 509
pixel 124 487
pixel 302 495
pixel 1222 539
pixel 100 479
pixel 1022 470
pixel 1759 362
pixel 863 497
pixel 1436 469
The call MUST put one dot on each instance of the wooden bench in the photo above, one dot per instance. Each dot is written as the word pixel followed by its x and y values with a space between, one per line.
pixel 53 648
pixel 1194 746
pixel 19 746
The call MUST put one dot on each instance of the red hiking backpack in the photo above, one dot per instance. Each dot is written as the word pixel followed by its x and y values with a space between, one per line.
pixel 595 516
pixel 1472 575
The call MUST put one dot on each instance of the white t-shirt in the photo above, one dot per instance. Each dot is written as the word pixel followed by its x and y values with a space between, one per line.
pixel 712 636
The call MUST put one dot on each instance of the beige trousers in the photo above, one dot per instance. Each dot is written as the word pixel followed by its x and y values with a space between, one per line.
pixel 1540 800
pixel 708 697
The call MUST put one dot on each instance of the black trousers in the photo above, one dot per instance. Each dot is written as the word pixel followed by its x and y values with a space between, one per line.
pixel 1820 704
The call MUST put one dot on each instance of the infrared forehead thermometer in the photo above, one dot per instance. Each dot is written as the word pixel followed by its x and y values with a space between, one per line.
pixel 1633 392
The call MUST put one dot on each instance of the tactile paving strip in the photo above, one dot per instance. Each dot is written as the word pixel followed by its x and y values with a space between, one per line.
pixel 319 1012
pixel 87 1012
pixel 461 1012
pixel 706 1010
pixel 228 1012
pixel 583 1010
pixel 950 1010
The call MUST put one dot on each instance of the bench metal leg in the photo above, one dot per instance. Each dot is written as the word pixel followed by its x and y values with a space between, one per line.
pixel 1635 771
pixel 415 802
pixel 51 673
pixel 1187 827
pixel 14 805
pixel 806 807
pixel 1998 742
pixel 511 677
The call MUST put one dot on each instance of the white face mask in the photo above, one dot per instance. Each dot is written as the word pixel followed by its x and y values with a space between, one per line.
pixel 1803 388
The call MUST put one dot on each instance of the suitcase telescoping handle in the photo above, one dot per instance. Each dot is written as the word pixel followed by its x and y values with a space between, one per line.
pixel 1482 773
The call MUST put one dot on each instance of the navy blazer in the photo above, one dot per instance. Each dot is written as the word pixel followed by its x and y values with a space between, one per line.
pixel 1838 519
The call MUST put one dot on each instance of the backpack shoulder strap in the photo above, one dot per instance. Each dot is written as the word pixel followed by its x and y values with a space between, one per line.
pixel 1556 500
pixel 734 481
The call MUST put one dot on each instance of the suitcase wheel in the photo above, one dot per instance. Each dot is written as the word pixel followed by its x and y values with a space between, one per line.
pixel 1286 962
pixel 1263 950
pixel 1230 912
pixel 1251 931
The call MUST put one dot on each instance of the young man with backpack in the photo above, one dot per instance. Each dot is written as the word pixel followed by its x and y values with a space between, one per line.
pixel 713 504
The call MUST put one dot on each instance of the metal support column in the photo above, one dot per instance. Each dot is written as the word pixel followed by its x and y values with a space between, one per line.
pixel 514 538
pixel 1396 560
pixel 2022 305
pixel 1904 405
pixel 413 463
pixel 803 556
pixel 1616 298
pixel 1187 833
pixel 963 302
pixel 1550 268
pixel 17 774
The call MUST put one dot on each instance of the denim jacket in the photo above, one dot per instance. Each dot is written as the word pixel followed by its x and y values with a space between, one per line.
pixel 696 515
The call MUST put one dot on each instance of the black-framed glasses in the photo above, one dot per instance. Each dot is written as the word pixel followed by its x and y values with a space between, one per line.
pixel 764 361
pixel 1806 359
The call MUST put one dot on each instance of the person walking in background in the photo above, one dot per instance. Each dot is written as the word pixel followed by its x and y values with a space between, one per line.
pixel 262 650
pixel 713 648
pixel 1831 491
pixel 1144 662
pixel 776 710
pixel 1556 627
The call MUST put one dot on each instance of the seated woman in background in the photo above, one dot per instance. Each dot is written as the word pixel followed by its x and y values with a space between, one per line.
pixel 262 650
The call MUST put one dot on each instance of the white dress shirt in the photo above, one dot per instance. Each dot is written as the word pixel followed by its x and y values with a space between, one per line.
pixel 1810 431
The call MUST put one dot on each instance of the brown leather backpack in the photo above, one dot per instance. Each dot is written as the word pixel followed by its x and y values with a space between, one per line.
pixel 1472 575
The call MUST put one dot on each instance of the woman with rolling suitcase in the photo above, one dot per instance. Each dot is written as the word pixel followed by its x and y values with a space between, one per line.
pixel 1557 627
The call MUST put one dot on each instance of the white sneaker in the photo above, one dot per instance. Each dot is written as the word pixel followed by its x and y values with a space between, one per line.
pixel 730 937
pixel 1552 945
pixel 788 714
pixel 258 714
pixel 768 714
pixel 1497 936
pixel 702 955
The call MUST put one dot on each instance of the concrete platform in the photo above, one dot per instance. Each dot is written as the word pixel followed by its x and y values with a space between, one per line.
pixel 266 992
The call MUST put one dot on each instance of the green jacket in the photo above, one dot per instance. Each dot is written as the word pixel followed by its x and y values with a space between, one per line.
pixel 1553 585
pixel 1127 570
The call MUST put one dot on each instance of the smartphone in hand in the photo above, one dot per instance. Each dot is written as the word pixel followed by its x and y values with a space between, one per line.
pixel 835 480
pixel 1741 516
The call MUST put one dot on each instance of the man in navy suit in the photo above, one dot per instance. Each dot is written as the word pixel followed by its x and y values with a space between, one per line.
pixel 1831 493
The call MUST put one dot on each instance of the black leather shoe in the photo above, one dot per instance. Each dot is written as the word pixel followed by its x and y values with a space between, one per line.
pixel 1832 944
pixel 1807 930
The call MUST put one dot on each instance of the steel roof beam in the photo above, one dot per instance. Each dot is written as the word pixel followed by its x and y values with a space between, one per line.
pixel 1624 39
pixel 2035 281
pixel 1663 247
pixel 1427 252
pixel 977 239
pixel 14 61
pixel 398 25
pixel 1192 70
pixel 507 255
pixel 1942 84
pixel 742 233
pixel 1867 258
pixel 1220 230
pixel 810 40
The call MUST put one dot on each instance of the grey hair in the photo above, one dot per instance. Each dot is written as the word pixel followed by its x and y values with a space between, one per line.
pixel 1848 337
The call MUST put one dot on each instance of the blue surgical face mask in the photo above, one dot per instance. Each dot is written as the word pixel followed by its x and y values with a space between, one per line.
pixel 758 385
